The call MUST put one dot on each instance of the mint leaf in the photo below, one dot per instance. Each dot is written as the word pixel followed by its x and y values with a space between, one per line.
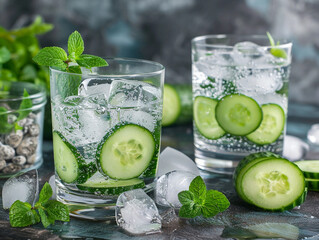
pixel 89 61
pixel 186 197
pixel 75 69
pixel 45 193
pixel 5 55
pixel 46 220
pixel 21 214
pixel 57 210
pixel 37 27
pixel 25 106
pixel 198 188
pixel 68 84
pixel 75 44
pixel 190 211
pixel 52 56
pixel 277 52
pixel 5 127
pixel 215 202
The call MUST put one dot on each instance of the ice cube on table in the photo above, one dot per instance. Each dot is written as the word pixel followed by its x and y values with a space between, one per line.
pixel 313 134
pixel 137 213
pixel 23 186
pixel 95 86
pixel 132 93
pixel 294 148
pixel 169 185
pixel 171 159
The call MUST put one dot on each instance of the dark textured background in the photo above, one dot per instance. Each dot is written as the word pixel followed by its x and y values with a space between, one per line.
pixel 162 30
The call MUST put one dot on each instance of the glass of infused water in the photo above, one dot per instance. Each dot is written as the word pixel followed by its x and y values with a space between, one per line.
pixel 240 94
pixel 106 133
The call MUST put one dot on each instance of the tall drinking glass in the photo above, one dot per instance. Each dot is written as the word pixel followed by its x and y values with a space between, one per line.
pixel 240 93
pixel 106 133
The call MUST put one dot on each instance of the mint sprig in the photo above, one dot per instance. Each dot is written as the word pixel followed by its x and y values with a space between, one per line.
pixel 47 211
pixel 277 52
pixel 198 201
pixel 57 57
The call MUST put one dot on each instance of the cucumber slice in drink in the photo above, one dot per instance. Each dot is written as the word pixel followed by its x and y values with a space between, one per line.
pixel 68 162
pixel 310 168
pixel 238 114
pixel 98 184
pixel 204 117
pixel 271 126
pixel 274 184
pixel 126 151
pixel 244 165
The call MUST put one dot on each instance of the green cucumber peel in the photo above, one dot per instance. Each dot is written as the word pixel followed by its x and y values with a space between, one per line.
pixel 47 211
pixel 199 201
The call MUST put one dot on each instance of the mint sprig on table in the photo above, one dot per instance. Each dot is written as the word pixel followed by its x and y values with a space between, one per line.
pixel 23 112
pixel 277 52
pixel 47 211
pixel 200 201
pixel 58 58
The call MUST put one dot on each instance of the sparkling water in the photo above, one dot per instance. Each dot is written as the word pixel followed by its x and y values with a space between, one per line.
pixel 249 70
pixel 102 104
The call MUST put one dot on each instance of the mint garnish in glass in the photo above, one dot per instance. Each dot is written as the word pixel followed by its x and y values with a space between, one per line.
pixel 200 201
pixel 58 58
pixel 277 52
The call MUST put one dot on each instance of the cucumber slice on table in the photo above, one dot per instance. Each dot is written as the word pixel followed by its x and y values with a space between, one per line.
pixel 68 162
pixel 204 117
pixel 177 104
pixel 310 168
pixel 238 114
pixel 312 184
pixel 271 126
pixel 244 165
pixel 98 184
pixel 274 184
pixel 126 151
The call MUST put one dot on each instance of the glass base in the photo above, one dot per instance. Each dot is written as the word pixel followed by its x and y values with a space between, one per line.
pixel 218 163
pixel 89 206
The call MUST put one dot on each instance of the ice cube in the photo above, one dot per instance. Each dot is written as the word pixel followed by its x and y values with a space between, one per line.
pixel 170 219
pixel 294 148
pixel 248 49
pixel 52 184
pixel 23 186
pixel 95 86
pixel 169 185
pixel 262 82
pixel 137 213
pixel 138 117
pixel 313 134
pixel 132 93
pixel 171 159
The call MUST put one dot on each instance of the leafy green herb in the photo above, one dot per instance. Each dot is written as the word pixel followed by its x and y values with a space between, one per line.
pixel 17 48
pixel 47 211
pixel 25 106
pixel 277 52
pixel 198 201
pixel 57 57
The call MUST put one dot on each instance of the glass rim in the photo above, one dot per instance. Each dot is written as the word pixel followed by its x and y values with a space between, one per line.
pixel 287 43
pixel 149 62
pixel 40 94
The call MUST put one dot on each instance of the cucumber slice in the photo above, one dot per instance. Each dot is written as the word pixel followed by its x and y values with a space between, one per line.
pixel 271 126
pixel 274 184
pixel 177 104
pixel 312 184
pixel 244 165
pixel 310 168
pixel 204 117
pixel 126 151
pixel 68 162
pixel 238 114
pixel 98 184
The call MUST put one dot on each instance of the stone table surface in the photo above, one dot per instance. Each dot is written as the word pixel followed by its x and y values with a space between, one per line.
pixel 299 223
